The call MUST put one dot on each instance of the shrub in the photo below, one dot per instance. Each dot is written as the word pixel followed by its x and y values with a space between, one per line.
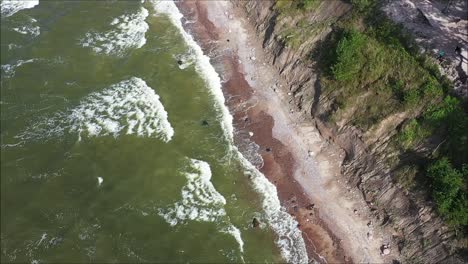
pixel 412 133
pixel 362 5
pixel 350 59
pixel 308 4
pixel 448 191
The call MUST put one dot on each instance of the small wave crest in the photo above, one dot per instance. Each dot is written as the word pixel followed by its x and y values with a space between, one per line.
pixel 130 107
pixel 129 32
pixel 201 202
pixel 10 7
pixel 9 69
pixel 202 63
pixel 31 28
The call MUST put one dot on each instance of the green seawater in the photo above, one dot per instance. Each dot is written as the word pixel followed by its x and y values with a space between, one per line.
pixel 54 207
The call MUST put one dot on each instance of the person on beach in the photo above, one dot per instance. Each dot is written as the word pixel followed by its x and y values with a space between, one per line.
pixel 440 55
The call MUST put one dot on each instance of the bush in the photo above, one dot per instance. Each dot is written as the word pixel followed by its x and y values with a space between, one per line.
pixel 412 134
pixel 350 59
pixel 362 5
pixel 308 4
pixel 448 191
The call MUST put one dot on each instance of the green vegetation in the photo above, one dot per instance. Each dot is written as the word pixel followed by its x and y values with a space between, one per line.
pixel 392 79
pixel 294 36
pixel 412 134
pixel 289 7
pixel 449 191
pixel 373 69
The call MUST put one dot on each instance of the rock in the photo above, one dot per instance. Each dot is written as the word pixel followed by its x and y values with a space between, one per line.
pixel 253 58
pixel 310 153
pixel 205 123
pixel 268 149
pixel 255 222
pixel 386 251
pixel 310 206
pixel 289 93
pixel 251 133
pixel 369 235
pixel 355 211
pixel 180 62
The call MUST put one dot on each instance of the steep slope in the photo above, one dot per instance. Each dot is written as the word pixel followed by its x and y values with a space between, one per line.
pixel 373 157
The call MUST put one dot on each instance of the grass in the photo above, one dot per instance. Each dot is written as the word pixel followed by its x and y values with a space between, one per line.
pixel 373 68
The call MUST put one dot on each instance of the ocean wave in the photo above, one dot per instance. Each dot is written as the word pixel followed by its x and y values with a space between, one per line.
pixel 202 64
pixel 200 202
pixel 31 29
pixel 10 7
pixel 130 107
pixel 290 241
pixel 129 32
pixel 9 70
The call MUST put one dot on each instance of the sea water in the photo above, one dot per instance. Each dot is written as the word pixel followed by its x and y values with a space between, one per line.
pixel 112 151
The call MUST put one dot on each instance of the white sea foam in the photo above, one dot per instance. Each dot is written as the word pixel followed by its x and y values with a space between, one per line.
pixel 129 32
pixel 202 63
pixel 235 232
pixel 201 202
pixel 10 7
pixel 31 28
pixel 9 69
pixel 130 107
pixel 185 60
pixel 290 239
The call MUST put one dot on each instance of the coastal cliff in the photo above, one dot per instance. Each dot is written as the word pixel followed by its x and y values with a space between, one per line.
pixel 373 161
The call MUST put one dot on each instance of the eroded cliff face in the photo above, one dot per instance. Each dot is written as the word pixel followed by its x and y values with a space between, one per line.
pixel 371 158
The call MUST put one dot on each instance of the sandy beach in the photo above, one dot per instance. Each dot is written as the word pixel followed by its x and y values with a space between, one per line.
pixel 304 167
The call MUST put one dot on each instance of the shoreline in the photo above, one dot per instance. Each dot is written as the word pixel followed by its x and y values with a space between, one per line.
pixel 303 167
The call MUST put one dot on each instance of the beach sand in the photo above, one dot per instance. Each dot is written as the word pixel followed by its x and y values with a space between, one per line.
pixel 304 167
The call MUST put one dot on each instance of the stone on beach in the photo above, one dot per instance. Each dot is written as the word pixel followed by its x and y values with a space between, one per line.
pixel 255 222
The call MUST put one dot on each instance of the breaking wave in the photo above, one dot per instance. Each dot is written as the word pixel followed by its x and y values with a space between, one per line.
pixel 10 7
pixel 31 28
pixel 9 69
pixel 129 107
pixel 200 202
pixel 129 32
